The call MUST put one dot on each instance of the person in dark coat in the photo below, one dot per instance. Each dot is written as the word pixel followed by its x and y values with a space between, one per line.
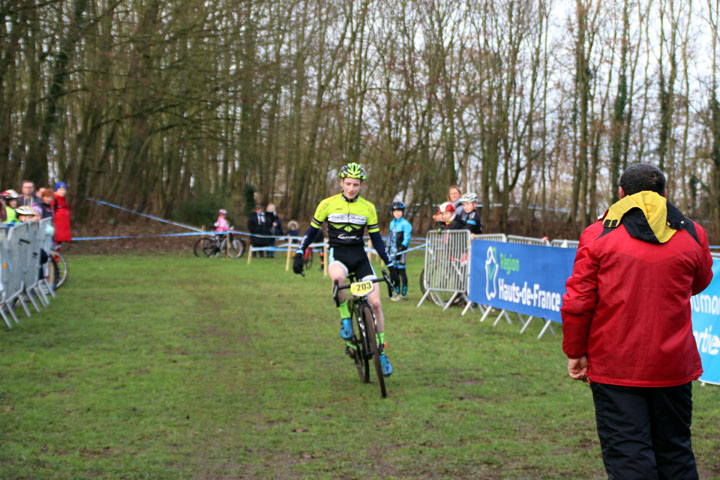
pixel 260 224
pixel 275 225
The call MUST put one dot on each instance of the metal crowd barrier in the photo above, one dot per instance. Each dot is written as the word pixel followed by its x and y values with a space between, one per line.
pixel 527 240
pixel 564 243
pixel 447 267
pixel 20 276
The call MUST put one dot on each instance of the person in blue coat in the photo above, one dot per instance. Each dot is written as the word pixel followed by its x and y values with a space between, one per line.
pixel 398 241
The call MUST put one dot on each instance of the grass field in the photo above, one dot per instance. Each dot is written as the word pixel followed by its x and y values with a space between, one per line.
pixel 174 367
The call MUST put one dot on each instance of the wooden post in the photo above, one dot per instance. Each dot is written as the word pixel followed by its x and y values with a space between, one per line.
pixel 287 260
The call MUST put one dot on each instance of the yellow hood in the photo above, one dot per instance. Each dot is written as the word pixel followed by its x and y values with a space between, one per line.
pixel 653 206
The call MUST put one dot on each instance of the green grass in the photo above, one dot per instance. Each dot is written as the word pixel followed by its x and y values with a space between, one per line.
pixel 173 367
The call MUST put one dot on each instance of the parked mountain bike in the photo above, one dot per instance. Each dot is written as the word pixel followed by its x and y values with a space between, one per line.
pixel 214 245
pixel 57 269
pixel 365 343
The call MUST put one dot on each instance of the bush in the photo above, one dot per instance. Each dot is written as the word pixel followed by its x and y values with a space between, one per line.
pixel 200 210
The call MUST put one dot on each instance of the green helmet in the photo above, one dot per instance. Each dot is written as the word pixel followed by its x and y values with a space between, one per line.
pixel 353 170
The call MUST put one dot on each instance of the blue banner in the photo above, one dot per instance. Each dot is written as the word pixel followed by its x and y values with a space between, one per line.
pixel 528 279
pixel 706 327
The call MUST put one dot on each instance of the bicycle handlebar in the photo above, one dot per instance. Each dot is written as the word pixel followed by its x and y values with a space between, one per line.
pixel 385 278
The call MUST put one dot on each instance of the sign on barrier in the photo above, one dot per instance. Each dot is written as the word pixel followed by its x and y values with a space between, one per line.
pixel 706 327
pixel 527 279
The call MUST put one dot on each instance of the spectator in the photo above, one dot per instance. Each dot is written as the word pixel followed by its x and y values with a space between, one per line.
pixel 627 327
pixel 293 230
pixel 449 221
pixel 46 200
pixel 276 226
pixel 398 242
pixel 221 224
pixel 259 224
pixel 61 214
pixel 25 214
pixel 10 197
pixel 28 197
pixel 471 213
pixel 453 196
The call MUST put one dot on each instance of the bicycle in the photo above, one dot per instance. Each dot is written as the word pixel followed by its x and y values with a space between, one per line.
pixel 364 340
pixel 212 246
pixel 57 269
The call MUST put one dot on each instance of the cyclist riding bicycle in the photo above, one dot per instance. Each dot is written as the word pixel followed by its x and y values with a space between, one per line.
pixel 348 215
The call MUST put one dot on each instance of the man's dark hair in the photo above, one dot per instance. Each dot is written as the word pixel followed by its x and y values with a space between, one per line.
pixel 642 176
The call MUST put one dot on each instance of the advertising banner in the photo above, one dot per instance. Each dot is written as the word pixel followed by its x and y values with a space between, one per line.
pixel 706 327
pixel 527 279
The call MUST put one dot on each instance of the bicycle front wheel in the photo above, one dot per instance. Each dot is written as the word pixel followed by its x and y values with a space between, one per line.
pixel 369 320
pixel 236 248
pixel 58 271
pixel 362 356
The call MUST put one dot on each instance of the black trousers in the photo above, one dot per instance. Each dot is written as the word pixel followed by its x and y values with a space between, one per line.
pixel 645 432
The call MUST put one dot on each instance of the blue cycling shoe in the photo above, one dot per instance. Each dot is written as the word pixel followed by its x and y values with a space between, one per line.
pixel 385 364
pixel 346 331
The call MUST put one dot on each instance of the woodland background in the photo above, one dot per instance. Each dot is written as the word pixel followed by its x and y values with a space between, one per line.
pixel 176 107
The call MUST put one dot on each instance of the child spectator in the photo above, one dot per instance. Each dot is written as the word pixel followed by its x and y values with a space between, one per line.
pixel 46 199
pixel 471 217
pixel 221 224
pixel 453 197
pixel 61 218
pixel 293 230
pixel 10 197
pixel 27 213
pixel 398 241
pixel 449 221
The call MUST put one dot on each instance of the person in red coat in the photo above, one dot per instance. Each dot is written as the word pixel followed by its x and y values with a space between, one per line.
pixel 627 327
pixel 61 214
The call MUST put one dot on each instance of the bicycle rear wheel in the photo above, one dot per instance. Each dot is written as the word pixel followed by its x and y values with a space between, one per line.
pixel 58 271
pixel 308 258
pixel 206 246
pixel 369 320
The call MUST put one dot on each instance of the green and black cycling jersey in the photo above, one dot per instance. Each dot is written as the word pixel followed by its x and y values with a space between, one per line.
pixel 346 220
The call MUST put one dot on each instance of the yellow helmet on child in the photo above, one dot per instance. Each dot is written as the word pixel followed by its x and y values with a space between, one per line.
pixel 353 170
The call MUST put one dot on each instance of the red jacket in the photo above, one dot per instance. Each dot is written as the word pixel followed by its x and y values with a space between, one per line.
pixel 61 219
pixel 627 304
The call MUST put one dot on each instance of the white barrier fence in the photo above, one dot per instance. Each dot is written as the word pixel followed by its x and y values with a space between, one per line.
pixel 446 273
pixel 22 277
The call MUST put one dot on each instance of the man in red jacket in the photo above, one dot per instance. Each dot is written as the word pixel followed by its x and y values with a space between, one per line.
pixel 627 327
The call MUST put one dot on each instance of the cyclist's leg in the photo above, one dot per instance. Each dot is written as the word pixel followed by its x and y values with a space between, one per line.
pixel 339 272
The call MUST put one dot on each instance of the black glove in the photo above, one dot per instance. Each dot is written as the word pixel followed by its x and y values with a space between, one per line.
pixel 402 248
pixel 298 263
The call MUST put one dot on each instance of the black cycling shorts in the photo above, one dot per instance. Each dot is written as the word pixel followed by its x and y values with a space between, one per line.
pixel 354 259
